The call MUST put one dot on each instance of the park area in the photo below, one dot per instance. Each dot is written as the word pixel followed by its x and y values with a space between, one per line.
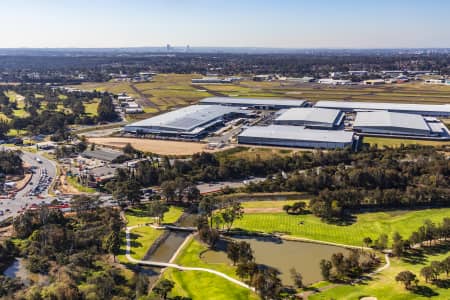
pixel 143 237
pixel 384 286
pixel 261 216
pixel 203 285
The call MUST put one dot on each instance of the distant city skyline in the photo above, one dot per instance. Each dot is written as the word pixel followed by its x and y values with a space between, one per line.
pixel 219 23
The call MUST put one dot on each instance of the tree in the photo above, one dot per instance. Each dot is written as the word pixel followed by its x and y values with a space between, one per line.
pixel 296 277
pixel 299 207
pixel 233 252
pixel 231 213
pixel 105 109
pixel 325 268
pixel 141 282
pixel 111 244
pixel 367 241
pixel 4 128
pixel 407 277
pixel 163 288
pixel 428 273
pixel 128 190
pixel 168 190
pixel 267 283
pixel 398 245
pixel 245 252
pixel 206 207
pixel 382 241
pixel 157 209
pixel 437 268
pixel 287 208
pixel 192 193
pixel 446 265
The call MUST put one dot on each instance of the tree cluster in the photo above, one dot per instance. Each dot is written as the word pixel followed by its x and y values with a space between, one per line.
pixel 345 268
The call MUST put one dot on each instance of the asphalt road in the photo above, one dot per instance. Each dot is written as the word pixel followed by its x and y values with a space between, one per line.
pixel 22 199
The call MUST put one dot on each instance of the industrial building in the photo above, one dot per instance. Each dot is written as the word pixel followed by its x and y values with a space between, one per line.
pixel 296 136
pixel 255 103
pixel 434 110
pixel 188 122
pixel 311 117
pixel 398 124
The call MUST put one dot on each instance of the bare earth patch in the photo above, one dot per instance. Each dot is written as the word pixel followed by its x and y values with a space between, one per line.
pixel 161 147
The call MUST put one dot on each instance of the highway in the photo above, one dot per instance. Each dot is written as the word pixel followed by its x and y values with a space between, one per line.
pixel 23 198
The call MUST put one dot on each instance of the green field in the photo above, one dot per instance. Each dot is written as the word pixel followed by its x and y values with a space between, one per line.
pixel 165 91
pixel 84 189
pixel 91 108
pixel 394 142
pixel 367 224
pixel 202 285
pixel 383 286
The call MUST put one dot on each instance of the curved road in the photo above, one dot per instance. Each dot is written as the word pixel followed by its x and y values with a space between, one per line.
pixel 172 265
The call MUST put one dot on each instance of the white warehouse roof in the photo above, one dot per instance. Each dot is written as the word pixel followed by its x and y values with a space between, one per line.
pixel 433 109
pixel 278 102
pixel 186 118
pixel 390 119
pixel 311 116
pixel 298 133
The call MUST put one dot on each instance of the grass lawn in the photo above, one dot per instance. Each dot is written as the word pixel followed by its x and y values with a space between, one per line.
pixel 367 224
pixel 202 285
pixel 84 189
pixel 136 216
pixel 383 286
pixel 394 142
pixel 143 237
pixel 91 108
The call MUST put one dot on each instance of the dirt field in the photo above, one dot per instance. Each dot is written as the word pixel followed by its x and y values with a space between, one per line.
pixel 155 146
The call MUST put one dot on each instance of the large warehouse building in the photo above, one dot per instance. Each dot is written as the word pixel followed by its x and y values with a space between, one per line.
pixel 188 122
pixel 296 136
pixel 255 103
pixel 434 110
pixel 311 117
pixel 398 124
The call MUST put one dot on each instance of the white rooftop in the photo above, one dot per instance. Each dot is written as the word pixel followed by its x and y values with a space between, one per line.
pixel 390 119
pixel 186 118
pixel 384 106
pixel 310 114
pixel 288 132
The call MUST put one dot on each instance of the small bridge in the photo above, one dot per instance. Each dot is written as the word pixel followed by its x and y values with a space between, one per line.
pixel 174 228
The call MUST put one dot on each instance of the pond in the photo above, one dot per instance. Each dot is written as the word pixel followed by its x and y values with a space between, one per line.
pixel 18 270
pixel 283 255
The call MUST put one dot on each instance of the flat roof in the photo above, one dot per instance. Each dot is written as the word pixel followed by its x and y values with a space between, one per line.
pixel 390 119
pixel 101 154
pixel 254 101
pixel 298 133
pixel 384 106
pixel 310 114
pixel 187 118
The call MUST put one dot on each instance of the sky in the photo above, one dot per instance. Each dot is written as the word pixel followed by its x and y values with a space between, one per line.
pixel 225 23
